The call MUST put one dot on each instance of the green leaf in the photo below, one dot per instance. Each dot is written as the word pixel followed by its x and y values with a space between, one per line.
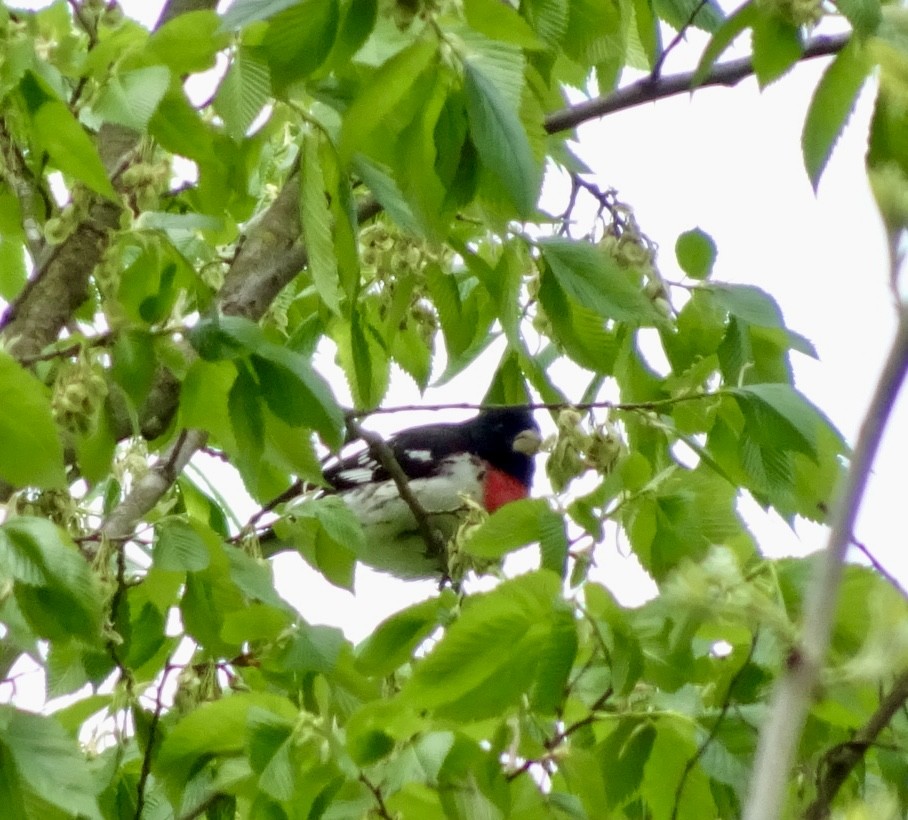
pixel 831 106
pixel 178 547
pixel 328 535
pixel 299 39
pixel 785 414
pixel 189 42
pixel 580 331
pixel 217 728
pixel 45 763
pixel 498 22
pixel 315 216
pixel 30 449
pixel 595 281
pixel 864 15
pixel 70 149
pixel 512 526
pixel 501 139
pixel 244 92
pixel 696 253
pixel 387 87
pixel 55 588
pixel 749 303
pixel 243 12
pixel 292 389
pixel 723 37
pixel 777 46
pixel 131 98
pixel 395 639
pixel 495 643
pixel 707 16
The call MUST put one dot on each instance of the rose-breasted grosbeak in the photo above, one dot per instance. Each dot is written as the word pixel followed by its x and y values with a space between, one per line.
pixel 487 459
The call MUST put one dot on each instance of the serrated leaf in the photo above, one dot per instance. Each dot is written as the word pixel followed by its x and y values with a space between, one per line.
pixel 592 278
pixel 30 449
pixel 299 39
pixel 71 150
pixel 395 639
pixel 243 92
pixel 386 88
pixel 131 98
pixel 482 641
pixel 831 106
pixel 47 764
pixel 696 253
pixel 777 46
pixel 797 421
pixel 501 140
pixel 512 526
pixel 743 18
pixel 189 42
pixel 749 303
pixel 214 728
pixel 293 390
pixel 315 216
pixel 548 17
pixel 707 16
pixel 386 190
pixel 243 12
pixel 178 547
pixel 864 15
pixel 54 586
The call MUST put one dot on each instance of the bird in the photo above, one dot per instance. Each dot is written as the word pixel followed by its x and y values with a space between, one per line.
pixel 485 461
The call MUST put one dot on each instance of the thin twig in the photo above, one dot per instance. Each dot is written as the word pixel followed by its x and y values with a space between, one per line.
pixel 656 404
pixel 382 809
pixel 796 686
pixel 714 729
pixel 149 746
pixel 841 760
pixel 556 740
pixel 893 581
pixel 379 448
pixel 676 40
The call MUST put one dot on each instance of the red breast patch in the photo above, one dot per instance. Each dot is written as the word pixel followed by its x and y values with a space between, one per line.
pixel 500 489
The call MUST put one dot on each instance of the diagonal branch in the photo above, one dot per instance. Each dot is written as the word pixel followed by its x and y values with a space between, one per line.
pixel 795 688
pixel 650 88
pixel 841 760
pixel 379 448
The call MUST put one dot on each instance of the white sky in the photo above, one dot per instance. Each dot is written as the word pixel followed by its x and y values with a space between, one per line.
pixel 728 161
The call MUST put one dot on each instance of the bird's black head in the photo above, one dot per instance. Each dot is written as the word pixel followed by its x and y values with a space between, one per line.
pixel 508 438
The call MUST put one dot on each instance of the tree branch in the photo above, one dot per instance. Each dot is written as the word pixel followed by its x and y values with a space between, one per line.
pixel 379 448
pixel 795 688
pixel 151 487
pixel 650 88
pixel 842 759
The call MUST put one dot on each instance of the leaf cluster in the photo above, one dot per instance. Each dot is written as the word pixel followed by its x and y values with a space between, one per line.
pixel 364 184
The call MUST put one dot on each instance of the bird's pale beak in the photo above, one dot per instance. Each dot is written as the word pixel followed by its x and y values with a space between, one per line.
pixel 527 442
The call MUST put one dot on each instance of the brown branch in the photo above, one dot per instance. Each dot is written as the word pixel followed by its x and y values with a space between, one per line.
pixel 381 808
pixel 145 772
pixel 841 760
pixel 556 740
pixel 149 489
pixel 377 446
pixel 650 89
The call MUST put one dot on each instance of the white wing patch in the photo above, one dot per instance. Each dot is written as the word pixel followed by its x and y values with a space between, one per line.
pixel 420 455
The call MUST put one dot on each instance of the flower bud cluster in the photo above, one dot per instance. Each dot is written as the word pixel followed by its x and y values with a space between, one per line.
pixel 576 450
